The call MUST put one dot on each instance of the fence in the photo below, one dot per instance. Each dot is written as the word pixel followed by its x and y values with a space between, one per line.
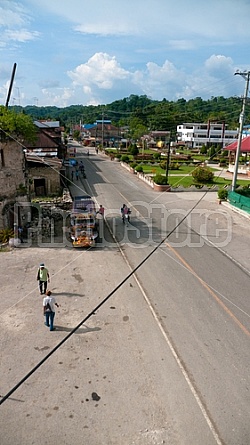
pixel 239 201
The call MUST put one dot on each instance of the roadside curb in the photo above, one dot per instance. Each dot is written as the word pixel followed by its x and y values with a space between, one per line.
pixel 235 209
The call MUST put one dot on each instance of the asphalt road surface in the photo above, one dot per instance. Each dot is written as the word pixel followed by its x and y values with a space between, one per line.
pixel 164 358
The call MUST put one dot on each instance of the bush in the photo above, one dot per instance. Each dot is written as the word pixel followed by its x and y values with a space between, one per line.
pixel 202 175
pixel 223 162
pixel 160 180
pixel 163 165
pixel 5 235
pixel 125 158
pixel 223 194
pixel 133 164
pixel 174 166
pixel 157 156
pixel 134 150
pixel 245 191
pixel 139 168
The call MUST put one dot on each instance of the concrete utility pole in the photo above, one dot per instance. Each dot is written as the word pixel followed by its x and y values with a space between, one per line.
pixel 246 76
pixel 11 85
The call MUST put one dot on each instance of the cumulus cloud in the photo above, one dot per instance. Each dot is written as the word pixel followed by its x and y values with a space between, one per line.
pixel 60 97
pixel 102 79
pixel 101 70
pixel 216 65
pixel 107 55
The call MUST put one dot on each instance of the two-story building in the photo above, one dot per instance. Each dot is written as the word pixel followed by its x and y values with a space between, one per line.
pixel 101 132
pixel 195 135
pixel 44 159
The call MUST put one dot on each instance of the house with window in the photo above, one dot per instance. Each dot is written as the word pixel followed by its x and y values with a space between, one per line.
pixel 44 160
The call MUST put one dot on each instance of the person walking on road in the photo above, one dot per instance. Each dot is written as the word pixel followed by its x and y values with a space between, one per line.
pixel 101 210
pixel 72 175
pixel 43 278
pixel 49 304
pixel 77 175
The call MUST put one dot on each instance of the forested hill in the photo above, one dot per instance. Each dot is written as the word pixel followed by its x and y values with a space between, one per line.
pixel 144 112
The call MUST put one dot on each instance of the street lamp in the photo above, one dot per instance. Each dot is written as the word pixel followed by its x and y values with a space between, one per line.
pixel 246 76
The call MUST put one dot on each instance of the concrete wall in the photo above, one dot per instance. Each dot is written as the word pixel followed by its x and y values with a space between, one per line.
pixel 11 169
pixel 12 180
pixel 50 175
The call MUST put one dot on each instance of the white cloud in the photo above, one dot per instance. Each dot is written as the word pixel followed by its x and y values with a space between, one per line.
pixel 21 35
pixel 103 53
pixel 215 65
pixel 101 70
pixel 12 14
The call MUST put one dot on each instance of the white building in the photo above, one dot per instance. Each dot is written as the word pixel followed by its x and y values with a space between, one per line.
pixel 194 135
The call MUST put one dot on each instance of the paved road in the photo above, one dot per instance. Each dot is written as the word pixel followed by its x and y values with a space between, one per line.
pixel 165 359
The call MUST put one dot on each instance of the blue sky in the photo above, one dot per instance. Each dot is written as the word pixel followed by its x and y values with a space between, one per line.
pixel 95 52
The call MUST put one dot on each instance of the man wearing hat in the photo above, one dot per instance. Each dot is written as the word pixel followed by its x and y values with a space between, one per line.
pixel 43 278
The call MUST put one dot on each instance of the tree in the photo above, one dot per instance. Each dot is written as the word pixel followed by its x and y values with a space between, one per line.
pixel 211 152
pixel 13 125
pixel 76 135
pixel 203 150
pixel 134 150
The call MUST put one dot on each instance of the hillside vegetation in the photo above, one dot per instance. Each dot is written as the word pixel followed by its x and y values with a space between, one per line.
pixel 142 114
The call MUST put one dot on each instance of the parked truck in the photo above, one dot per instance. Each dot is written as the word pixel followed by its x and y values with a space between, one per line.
pixel 83 222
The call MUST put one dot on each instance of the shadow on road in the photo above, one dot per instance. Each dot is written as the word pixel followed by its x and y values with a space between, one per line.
pixel 83 330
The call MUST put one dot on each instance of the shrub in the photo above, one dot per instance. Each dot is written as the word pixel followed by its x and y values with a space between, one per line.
pixel 245 191
pixel 223 162
pixel 174 166
pixel 139 168
pixel 223 194
pixel 202 175
pixel 134 150
pixel 125 158
pixel 160 180
pixel 5 235
pixel 133 164
pixel 157 156
pixel 163 165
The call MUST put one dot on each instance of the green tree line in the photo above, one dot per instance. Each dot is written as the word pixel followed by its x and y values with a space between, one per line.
pixel 141 114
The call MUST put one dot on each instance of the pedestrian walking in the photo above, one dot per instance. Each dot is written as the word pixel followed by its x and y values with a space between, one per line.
pixel 77 175
pixel 72 175
pixel 20 233
pixel 101 210
pixel 49 304
pixel 43 278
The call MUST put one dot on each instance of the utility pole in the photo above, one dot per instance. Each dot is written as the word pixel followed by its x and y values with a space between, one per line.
pixel 11 85
pixel 246 76
pixel 168 161
pixel 102 129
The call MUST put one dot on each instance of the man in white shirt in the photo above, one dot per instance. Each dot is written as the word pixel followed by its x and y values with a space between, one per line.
pixel 49 304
